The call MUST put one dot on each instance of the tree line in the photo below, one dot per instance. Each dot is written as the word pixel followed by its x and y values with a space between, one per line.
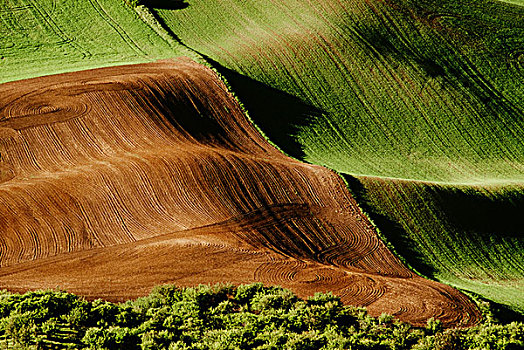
pixel 226 317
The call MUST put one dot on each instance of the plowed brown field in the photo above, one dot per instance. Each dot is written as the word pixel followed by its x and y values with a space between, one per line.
pixel 117 179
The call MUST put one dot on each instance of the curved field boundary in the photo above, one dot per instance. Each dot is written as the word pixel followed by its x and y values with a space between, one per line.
pixel 404 91
pixel 411 92
pixel 121 178
pixel 39 37
pixel 469 237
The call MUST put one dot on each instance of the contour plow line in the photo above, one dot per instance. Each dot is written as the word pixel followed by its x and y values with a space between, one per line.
pixel 118 179
pixel 419 101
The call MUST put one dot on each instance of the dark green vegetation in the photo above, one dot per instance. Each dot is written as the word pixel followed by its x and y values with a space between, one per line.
pixel 406 87
pixel 225 317
pixel 40 37
pixel 419 103
pixel 165 4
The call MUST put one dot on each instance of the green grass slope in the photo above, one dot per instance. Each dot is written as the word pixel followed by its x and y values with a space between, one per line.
pixel 422 101
pixel 408 90
pixel 40 37
pixel 467 236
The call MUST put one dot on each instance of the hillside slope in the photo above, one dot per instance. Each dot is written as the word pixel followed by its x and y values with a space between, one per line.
pixel 118 179
pixel 39 37
pixel 425 96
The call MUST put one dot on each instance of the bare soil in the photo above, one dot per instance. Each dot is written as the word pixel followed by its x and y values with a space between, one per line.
pixel 118 179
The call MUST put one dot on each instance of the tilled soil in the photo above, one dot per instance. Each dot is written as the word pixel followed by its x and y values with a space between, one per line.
pixel 118 179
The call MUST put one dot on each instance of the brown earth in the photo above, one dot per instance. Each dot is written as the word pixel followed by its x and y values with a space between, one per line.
pixel 118 179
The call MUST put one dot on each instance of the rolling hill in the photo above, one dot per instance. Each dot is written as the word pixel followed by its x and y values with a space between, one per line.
pixel 420 101
pixel 117 179
pixel 39 37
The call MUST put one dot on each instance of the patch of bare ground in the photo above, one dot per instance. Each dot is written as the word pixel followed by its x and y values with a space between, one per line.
pixel 118 179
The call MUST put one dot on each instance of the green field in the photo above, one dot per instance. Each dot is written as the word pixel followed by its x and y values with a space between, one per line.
pixel 421 101
pixel 404 90
pixel 420 104
pixel 449 233
pixel 40 37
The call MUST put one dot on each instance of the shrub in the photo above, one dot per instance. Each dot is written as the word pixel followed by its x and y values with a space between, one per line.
pixel 20 328
pixel 133 3
pixel 223 317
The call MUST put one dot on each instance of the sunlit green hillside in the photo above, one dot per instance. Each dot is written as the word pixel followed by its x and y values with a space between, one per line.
pixel 422 101
pixel 40 37
pixel 421 90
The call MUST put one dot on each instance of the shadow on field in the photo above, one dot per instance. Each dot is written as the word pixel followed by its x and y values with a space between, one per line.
pixel 394 233
pixel 504 314
pixel 436 53
pixel 279 115
pixel 179 111
pixel 475 212
pixel 166 4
